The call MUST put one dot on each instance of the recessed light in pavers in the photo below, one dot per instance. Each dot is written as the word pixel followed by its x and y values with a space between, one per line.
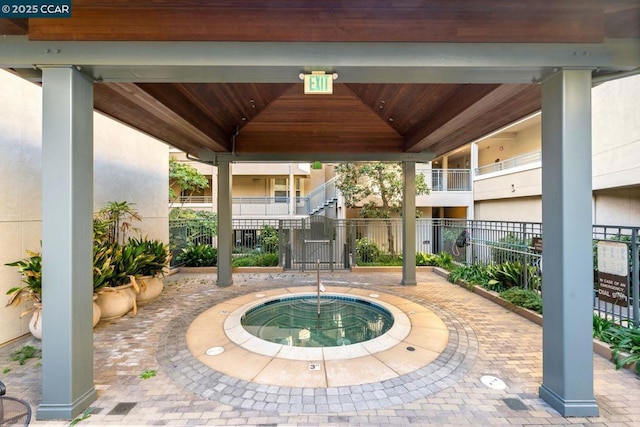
pixel 374 295
pixel 214 351
pixel 260 295
pixel 411 348
pixel 493 382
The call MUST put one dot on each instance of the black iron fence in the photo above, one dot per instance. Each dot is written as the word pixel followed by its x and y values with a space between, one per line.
pixel 341 244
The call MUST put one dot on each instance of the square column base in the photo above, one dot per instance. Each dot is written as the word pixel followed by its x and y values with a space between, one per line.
pixel 569 408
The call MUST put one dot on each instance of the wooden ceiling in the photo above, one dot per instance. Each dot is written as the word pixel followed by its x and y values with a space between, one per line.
pixel 374 118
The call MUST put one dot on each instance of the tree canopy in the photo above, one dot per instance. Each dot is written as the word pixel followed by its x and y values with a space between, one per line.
pixel 187 177
pixel 376 188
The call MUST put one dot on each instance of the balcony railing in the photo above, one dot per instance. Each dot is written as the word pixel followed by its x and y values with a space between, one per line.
pixel 521 160
pixel 447 179
pixel 195 199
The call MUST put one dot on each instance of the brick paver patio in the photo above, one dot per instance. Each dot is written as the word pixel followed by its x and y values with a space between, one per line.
pixel 485 339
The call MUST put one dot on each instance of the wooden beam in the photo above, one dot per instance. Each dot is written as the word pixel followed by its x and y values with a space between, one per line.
pixel 425 133
pixel 451 21
pixel 129 104
pixel 481 120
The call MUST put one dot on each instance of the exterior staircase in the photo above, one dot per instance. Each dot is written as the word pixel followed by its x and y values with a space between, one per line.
pixel 323 197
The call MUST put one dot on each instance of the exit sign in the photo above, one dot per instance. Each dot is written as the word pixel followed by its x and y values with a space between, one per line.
pixel 318 84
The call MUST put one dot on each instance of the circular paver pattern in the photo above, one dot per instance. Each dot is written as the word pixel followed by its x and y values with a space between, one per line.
pixel 189 372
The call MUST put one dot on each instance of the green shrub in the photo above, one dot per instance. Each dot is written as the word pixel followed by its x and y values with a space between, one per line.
pixel 257 260
pixel 526 298
pixel 423 259
pixel 200 255
pixel 601 327
pixel 366 251
pixel 627 341
pixel 445 260
pixel 502 250
pixel 269 239
pixel 475 274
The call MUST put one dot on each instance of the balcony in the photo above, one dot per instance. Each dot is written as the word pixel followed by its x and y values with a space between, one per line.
pixel 523 161
pixel 446 179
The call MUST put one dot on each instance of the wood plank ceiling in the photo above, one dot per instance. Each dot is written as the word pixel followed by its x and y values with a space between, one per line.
pixel 279 118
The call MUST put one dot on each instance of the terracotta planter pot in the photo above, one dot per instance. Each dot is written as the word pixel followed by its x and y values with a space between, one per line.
pixel 150 288
pixel 116 302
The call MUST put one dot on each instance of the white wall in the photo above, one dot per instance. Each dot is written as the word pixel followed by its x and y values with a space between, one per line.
pixel 128 166
pixel 525 209
pixel 616 133
pixel 617 206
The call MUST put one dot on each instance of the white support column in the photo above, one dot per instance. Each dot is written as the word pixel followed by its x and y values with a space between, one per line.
pixel 409 224
pixel 292 191
pixel 67 275
pixel 225 224
pixel 445 173
pixel 567 371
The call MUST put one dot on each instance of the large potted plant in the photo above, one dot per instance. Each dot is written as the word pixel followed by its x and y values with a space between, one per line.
pixel 149 268
pixel 31 270
pixel 112 289
pixel 31 290
pixel 111 281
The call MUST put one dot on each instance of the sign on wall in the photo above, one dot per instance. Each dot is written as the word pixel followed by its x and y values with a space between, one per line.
pixel 613 272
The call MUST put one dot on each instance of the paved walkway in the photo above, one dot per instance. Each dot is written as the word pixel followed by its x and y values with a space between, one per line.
pixel 485 339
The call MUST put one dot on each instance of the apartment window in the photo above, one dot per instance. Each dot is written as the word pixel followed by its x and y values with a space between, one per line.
pixel 281 189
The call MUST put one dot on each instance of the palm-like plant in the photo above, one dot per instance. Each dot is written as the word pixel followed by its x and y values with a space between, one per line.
pixel 31 289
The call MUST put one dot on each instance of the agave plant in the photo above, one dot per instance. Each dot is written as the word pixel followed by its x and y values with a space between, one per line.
pixel 31 270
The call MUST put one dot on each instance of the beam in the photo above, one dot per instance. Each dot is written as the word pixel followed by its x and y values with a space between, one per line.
pixel 158 120
pixel 278 62
pixel 214 158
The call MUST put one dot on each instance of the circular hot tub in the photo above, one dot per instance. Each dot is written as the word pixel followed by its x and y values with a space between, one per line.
pixel 317 321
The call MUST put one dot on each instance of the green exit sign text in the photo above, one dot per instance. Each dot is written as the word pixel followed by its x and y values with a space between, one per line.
pixel 318 84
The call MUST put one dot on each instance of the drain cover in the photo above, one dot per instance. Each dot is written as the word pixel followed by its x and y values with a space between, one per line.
pixel 214 351
pixel 493 382
pixel 515 404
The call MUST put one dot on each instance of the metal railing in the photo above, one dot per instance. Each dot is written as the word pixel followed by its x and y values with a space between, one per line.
pixel 195 199
pixel 340 244
pixel 322 196
pixel 446 179
pixel 260 206
pixel 521 160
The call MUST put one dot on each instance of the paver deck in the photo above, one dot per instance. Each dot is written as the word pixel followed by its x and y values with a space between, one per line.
pixel 484 339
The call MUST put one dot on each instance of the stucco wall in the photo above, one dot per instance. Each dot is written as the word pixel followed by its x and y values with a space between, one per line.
pixel 616 133
pixel 617 206
pixel 525 209
pixel 519 183
pixel 128 166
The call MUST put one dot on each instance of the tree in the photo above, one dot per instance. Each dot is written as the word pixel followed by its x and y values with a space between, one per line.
pixel 376 188
pixel 187 177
